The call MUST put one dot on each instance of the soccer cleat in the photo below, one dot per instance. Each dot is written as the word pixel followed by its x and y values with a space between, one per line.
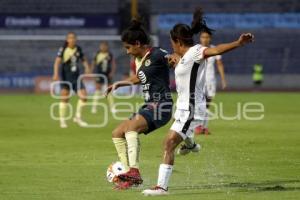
pixel 183 150
pixel 198 130
pixel 63 124
pixel 133 175
pixel 206 131
pixel 80 122
pixel 156 191
pixel 123 185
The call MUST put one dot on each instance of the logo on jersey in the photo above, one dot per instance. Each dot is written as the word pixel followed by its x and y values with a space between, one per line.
pixel 142 77
pixel 147 62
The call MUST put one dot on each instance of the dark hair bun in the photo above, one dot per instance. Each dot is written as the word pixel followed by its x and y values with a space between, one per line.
pixel 135 32
pixel 135 24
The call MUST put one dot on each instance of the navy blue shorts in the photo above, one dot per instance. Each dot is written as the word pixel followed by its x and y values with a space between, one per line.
pixel 74 86
pixel 103 79
pixel 157 114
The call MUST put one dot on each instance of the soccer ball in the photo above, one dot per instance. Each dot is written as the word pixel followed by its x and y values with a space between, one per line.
pixel 114 170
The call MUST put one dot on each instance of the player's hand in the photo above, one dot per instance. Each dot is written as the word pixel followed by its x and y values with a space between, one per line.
pixel 246 38
pixel 224 84
pixel 173 59
pixel 55 77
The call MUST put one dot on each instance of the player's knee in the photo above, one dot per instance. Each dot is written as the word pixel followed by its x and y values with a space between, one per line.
pixel 132 127
pixel 117 133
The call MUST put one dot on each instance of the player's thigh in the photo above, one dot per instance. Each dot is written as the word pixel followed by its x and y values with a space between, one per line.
pixel 137 123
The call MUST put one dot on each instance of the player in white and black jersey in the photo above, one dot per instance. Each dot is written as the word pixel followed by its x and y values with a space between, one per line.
pixel 190 83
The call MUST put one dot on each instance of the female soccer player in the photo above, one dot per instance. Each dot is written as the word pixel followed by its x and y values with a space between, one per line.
pixel 153 74
pixel 190 82
pixel 104 64
pixel 67 65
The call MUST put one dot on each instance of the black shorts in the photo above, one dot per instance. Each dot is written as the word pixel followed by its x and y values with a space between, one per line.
pixel 74 86
pixel 157 114
pixel 258 82
pixel 104 78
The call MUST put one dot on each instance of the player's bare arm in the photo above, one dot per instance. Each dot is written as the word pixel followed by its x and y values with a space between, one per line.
pixel 57 63
pixel 244 39
pixel 87 67
pixel 132 80
pixel 173 59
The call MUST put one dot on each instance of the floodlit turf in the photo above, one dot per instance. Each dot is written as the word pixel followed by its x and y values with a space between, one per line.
pixel 240 160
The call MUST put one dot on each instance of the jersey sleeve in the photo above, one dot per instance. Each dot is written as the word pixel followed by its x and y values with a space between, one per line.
pixel 198 53
pixel 218 57
pixel 164 55
pixel 60 52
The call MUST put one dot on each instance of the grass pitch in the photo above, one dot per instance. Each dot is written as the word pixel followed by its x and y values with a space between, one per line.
pixel 240 160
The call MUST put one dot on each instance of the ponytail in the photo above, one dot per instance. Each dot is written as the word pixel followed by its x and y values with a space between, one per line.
pixel 199 24
pixel 184 33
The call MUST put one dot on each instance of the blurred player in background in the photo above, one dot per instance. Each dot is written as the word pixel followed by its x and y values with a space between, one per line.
pixel 211 80
pixel 190 83
pixel 103 64
pixel 67 69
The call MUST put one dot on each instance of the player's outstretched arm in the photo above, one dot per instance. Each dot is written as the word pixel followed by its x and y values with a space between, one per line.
pixel 132 80
pixel 244 39
pixel 56 65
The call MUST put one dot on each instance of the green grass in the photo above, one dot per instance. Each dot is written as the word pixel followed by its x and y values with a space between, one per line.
pixel 240 160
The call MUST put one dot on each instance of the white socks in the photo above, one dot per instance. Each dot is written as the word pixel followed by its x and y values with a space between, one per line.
pixel 133 146
pixel 96 98
pixel 164 175
pixel 121 147
pixel 80 104
pixel 62 110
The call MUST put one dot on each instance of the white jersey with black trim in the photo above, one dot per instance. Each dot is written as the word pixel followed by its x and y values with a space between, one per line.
pixel 190 81
pixel 210 70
